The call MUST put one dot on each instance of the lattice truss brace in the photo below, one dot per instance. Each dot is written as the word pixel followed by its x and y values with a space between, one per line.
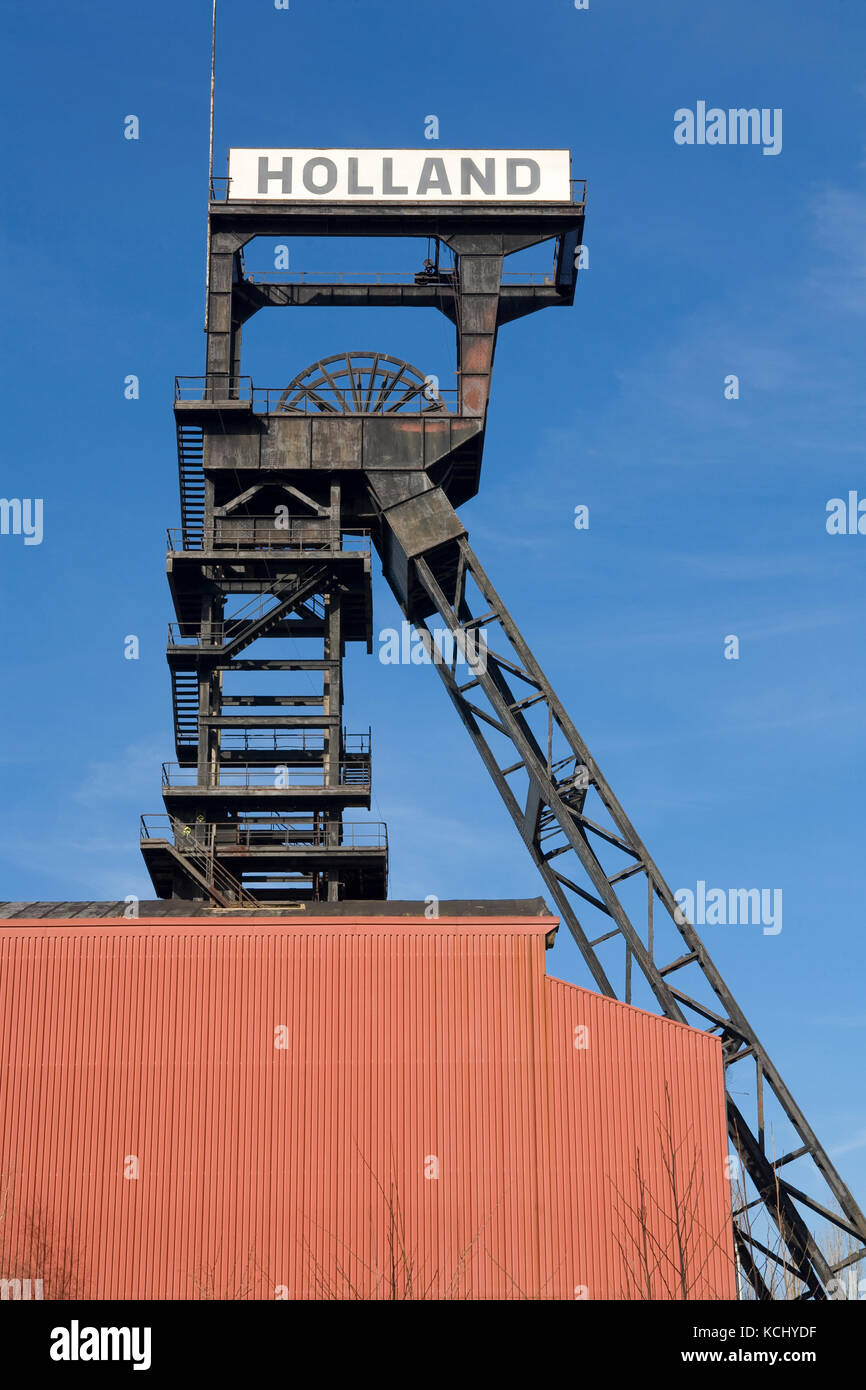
pixel 636 942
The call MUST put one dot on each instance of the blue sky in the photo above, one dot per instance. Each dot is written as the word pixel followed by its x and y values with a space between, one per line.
pixel 707 516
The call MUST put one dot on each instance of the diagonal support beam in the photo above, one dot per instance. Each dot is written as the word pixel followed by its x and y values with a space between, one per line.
pixel 546 806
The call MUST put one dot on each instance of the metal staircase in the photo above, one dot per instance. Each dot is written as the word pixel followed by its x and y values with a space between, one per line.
pixel 190 461
pixel 192 848
pixel 238 579
pixel 184 689
pixel 241 631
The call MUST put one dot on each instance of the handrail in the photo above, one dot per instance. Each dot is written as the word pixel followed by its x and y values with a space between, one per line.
pixel 220 185
pixel 269 832
pixel 278 776
pixel 236 388
pixel 367 279
pixel 302 533
pixel 360 278
pixel 219 634
pixel 291 740
pixel 221 388
pixel 232 625
pixel 196 843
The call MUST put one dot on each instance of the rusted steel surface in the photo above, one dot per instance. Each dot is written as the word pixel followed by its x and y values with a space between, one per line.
pixel 341 1108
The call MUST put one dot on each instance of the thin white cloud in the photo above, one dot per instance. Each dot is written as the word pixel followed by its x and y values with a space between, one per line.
pixel 839 218
pixel 858 1141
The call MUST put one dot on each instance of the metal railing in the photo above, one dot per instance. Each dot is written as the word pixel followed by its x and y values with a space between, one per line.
pixel 272 532
pixel 276 530
pixel 221 387
pixel 277 776
pixel 251 835
pixel 196 845
pixel 338 277
pixel 265 833
pixel 268 533
pixel 394 397
pixel 213 386
pixel 196 635
pixel 220 185
pixel 290 741
pixel 220 634
pixel 361 279
pixel 257 607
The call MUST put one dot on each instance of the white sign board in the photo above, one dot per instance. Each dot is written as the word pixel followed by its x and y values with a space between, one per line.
pixel 400 176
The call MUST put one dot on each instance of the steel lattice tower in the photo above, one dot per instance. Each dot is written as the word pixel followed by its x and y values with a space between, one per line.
pixel 280 491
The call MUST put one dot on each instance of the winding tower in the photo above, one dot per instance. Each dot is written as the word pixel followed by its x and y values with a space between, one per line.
pixel 283 493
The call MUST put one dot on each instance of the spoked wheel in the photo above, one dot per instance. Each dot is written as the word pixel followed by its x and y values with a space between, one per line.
pixel 360 383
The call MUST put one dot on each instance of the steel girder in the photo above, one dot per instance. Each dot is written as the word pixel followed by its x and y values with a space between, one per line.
pixel 567 837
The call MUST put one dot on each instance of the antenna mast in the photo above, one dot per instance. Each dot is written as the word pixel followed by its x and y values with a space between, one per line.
pixel 210 165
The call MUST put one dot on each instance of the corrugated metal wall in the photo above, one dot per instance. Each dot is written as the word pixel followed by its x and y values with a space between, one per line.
pixel 343 1109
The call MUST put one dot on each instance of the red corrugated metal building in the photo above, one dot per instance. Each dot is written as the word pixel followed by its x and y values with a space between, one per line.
pixel 347 1107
